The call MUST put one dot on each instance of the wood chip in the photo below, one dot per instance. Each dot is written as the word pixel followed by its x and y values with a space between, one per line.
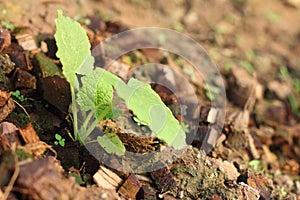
pixel 163 178
pixel 229 169
pixel 19 56
pixel 147 193
pixel 28 134
pixel 107 179
pixel 59 95
pixel 212 115
pixel 5 39
pixel 130 187
pixel 6 109
pixel 282 90
pixel 25 39
pixel 4 96
pixel 44 179
pixel 259 182
pixel 23 79
pixel 8 136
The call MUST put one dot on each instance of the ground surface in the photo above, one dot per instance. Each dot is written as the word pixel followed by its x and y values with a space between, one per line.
pixel 255 45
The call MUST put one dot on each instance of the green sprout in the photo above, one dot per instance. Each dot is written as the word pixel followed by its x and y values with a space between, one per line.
pixel 210 91
pixel 283 192
pixel 294 97
pixel 59 140
pixel 255 164
pixel 95 96
pixel 17 94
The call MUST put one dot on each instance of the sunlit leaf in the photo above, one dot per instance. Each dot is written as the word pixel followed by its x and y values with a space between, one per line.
pixel 149 109
pixel 111 143
pixel 73 48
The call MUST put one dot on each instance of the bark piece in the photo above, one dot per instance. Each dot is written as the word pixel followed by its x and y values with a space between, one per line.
pixel 241 85
pixel 23 79
pixel 6 66
pixel 28 134
pixel 130 187
pixel 97 24
pixel 107 179
pixel 44 180
pixel 59 95
pixel 260 184
pixel 249 192
pixel 163 178
pixel 5 39
pixel 282 90
pixel 8 136
pixel 147 193
pixel 228 168
pixel 18 56
pixel 4 96
pixel 25 39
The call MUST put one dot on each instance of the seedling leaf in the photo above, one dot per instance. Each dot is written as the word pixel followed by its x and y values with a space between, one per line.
pixel 58 137
pixel 96 93
pixel 111 143
pixel 149 109
pixel 73 48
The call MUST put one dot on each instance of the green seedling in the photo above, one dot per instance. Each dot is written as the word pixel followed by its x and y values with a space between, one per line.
pixel 283 192
pixel 59 140
pixel 178 27
pixel 255 164
pixel 210 91
pixel 95 96
pixel 17 94
pixel 294 97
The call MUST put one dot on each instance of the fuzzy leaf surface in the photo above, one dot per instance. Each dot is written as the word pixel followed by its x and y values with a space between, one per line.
pixel 149 109
pixel 73 48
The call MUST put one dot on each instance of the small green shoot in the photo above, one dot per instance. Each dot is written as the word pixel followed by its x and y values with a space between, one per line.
pixel 254 164
pixel 178 27
pixel 294 97
pixel 284 71
pixel 247 66
pixel 185 127
pixel 210 90
pixel 95 96
pixel 283 192
pixel 228 66
pixel 17 94
pixel 272 16
pixel 77 177
pixel 59 140
pixel 258 166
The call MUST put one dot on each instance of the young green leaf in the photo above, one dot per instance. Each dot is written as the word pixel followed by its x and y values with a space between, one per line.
pixel 111 143
pixel 58 137
pixel 73 48
pixel 149 108
pixel 62 142
pixel 96 93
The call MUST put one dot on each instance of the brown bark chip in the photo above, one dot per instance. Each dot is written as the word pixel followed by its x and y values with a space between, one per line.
pixel 130 187
pixel 44 180
pixel 8 136
pixel 6 104
pixel 28 134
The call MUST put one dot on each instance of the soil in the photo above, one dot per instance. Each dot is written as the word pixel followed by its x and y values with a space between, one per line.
pixel 255 45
